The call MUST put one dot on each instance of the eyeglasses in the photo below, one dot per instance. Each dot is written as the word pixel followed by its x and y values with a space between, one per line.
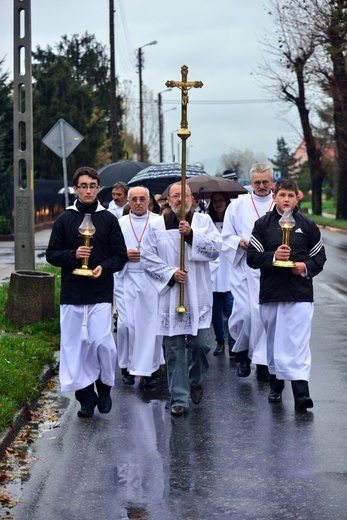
pixel 258 183
pixel 138 199
pixel 85 186
pixel 176 197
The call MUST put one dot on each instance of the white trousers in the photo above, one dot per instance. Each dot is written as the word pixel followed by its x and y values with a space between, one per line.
pixel 288 332
pixel 87 346
pixel 139 348
pixel 245 325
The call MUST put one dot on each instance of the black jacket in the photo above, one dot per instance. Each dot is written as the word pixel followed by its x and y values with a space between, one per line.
pixel 279 284
pixel 109 251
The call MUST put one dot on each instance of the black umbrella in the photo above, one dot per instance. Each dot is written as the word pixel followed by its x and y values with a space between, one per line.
pixel 119 171
pixel 158 176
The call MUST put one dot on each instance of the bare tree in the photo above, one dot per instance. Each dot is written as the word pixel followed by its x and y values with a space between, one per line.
pixel 291 72
pixel 241 161
pixel 309 65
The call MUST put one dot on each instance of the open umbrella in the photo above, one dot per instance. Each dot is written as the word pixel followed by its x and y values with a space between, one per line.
pixel 158 176
pixel 119 171
pixel 203 186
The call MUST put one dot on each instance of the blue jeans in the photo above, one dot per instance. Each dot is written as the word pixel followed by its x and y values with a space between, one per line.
pixel 221 301
pixel 179 379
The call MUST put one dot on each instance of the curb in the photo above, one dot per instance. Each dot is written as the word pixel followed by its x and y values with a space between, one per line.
pixel 23 415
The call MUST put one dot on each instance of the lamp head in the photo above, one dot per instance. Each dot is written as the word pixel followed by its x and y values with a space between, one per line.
pixel 87 228
pixel 287 219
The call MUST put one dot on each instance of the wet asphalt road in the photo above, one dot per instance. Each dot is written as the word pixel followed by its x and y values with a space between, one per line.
pixel 234 456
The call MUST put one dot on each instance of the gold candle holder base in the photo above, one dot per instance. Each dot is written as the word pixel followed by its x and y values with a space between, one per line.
pixel 181 309
pixel 83 272
pixel 284 263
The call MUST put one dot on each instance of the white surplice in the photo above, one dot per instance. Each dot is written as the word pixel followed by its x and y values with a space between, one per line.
pixel 139 347
pixel 245 325
pixel 161 251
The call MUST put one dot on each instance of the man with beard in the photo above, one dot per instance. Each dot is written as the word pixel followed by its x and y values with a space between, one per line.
pixel 161 253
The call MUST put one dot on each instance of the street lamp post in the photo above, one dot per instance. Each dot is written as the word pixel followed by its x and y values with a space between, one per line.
pixel 172 145
pixel 139 55
pixel 162 130
pixel 160 119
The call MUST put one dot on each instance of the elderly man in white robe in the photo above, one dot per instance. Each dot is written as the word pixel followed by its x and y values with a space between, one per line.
pixel 161 252
pixel 140 351
pixel 245 325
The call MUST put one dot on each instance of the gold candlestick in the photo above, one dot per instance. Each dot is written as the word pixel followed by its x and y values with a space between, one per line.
pixel 287 223
pixel 86 230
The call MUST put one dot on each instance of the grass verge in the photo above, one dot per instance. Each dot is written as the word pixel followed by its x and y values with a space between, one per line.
pixel 24 353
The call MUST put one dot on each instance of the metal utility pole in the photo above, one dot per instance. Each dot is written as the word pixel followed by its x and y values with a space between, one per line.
pixel 113 87
pixel 23 164
pixel 160 118
pixel 139 59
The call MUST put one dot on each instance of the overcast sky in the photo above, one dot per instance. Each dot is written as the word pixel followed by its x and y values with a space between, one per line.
pixel 218 41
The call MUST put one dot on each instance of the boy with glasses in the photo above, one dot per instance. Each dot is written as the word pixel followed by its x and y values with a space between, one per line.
pixel 87 349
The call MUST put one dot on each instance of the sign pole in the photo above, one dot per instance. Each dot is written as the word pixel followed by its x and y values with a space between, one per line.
pixel 63 156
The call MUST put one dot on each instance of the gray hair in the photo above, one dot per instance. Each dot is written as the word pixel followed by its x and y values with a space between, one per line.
pixel 133 187
pixel 261 167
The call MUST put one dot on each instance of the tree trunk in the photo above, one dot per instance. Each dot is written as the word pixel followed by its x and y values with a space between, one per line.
pixel 337 36
pixel 313 153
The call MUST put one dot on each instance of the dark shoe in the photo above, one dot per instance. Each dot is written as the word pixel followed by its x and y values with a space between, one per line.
pixel 231 345
pixel 196 393
pixel 244 368
pixel 263 373
pixel 88 399
pixel 104 404
pixel 150 383
pixel 127 378
pixel 219 349
pixel 104 399
pixel 177 410
pixel 303 404
pixel 301 395
pixel 275 397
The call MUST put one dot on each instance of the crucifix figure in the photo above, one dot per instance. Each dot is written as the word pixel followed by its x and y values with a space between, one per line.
pixel 183 134
pixel 185 86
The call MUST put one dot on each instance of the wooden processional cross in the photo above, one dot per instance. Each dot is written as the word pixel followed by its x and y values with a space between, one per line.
pixel 184 85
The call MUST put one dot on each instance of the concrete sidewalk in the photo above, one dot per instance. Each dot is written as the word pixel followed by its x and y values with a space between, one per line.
pixel 7 260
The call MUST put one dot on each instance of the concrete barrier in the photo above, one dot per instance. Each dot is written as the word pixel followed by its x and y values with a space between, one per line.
pixel 30 297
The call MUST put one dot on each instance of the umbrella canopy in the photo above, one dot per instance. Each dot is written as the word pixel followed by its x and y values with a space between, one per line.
pixel 119 171
pixel 158 176
pixel 204 185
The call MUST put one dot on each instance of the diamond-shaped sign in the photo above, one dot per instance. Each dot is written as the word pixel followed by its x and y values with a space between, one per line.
pixel 62 138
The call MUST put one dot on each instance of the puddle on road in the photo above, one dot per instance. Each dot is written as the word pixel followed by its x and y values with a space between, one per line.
pixel 16 463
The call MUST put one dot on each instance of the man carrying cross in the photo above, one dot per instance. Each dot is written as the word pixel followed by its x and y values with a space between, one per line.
pixel 161 256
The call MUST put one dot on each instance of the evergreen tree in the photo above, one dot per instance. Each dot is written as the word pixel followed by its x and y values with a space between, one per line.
pixel 284 159
pixel 72 83
pixel 6 142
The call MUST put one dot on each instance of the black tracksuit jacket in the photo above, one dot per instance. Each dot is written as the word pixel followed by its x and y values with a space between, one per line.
pixel 279 284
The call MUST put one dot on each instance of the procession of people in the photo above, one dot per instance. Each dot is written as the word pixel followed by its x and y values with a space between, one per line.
pixel 172 275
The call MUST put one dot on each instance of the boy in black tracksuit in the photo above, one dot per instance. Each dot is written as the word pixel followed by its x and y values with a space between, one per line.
pixel 286 293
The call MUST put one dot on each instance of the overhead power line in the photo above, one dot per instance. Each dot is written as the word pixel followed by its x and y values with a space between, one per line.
pixel 212 101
